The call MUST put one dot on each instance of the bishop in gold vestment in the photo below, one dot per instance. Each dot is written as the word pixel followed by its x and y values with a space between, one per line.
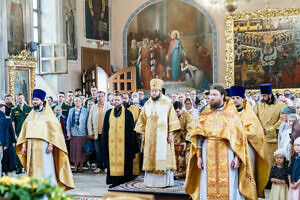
pixel 219 167
pixel 268 113
pixel 41 145
pixel 156 123
pixel 255 138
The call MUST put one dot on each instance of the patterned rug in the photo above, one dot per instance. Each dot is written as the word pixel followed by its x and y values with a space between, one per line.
pixel 86 197
pixel 137 185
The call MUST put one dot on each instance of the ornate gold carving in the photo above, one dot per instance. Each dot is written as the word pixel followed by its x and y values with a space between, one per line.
pixel 229 37
pixel 23 61
pixel 295 92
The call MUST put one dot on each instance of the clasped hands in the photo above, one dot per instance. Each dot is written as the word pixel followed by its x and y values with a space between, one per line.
pixel 235 164
pixel 48 150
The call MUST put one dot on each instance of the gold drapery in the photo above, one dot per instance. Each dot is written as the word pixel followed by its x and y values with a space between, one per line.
pixel 255 136
pixel 116 143
pixel 269 117
pixel 225 125
pixel 36 129
pixel 136 161
pixel 148 125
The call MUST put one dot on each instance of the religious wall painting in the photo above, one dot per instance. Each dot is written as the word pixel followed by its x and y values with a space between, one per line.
pixel 16 25
pixel 263 49
pixel 22 83
pixel 70 28
pixel 97 20
pixel 171 40
pixel 21 75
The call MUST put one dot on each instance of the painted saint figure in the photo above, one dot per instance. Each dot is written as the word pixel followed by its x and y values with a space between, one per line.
pixel 159 69
pixel 70 26
pixel 132 60
pixel 144 64
pixel 16 27
pixel 175 55
pixel 193 75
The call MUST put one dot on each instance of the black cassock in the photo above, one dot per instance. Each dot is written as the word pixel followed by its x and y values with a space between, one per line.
pixel 9 155
pixel 131 146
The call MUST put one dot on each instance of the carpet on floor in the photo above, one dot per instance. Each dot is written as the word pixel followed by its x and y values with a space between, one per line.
pixel 137 185
pixel 87 197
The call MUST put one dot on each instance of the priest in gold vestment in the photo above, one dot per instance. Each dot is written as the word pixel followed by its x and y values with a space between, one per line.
pixel 255 138
pixel 119 143
pixel 219 166
pixel 136 113
pixel 157 123
pixel 41 145
pixel 181 138
pixel 268 113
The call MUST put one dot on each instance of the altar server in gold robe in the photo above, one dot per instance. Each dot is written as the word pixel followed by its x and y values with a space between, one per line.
pixel 181 138
pixel 219 166
pixel 268 113
pixel 41 145
pixel 136 113
pixel 255 138
pixel 119 143
pixel 156 123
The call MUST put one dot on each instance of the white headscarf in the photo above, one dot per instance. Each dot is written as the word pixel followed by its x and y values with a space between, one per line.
pixel 297 141
pixel 280 151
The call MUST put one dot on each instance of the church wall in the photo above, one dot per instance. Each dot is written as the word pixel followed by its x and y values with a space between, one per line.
pixel 120 16
pixel 2 67
pixel 73 78
pixel 120 11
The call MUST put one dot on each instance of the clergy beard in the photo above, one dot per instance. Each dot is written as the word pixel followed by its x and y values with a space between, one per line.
pixel 118 107
pixel 38 108
pixel 215 105
pixel 155 98
pixel 270 100
pixel 126 105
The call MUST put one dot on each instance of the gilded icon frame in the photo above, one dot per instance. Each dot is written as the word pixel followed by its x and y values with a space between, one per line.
pixel 16 65
pixel 230 31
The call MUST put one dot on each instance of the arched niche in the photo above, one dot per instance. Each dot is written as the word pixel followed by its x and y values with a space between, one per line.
pixel 210 43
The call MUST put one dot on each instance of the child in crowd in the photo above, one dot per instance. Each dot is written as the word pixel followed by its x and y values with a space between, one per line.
pixel 279 176
pixel 294 173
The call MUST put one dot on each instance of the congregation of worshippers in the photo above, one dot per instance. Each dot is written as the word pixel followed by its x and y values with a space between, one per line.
pixel 114 134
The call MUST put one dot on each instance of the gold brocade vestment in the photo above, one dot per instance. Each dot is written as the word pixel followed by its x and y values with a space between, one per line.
pixel 116 140
pixel 158 118
pixel 136 162
pixel 221 129
pixel 269 117
pixel 36 129
pixel 187 123
pixel 255 136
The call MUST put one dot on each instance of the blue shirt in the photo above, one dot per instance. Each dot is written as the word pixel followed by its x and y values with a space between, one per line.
pixel 80 130
pixel 294 169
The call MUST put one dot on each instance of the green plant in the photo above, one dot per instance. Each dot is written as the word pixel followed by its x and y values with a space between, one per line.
pixel 26 188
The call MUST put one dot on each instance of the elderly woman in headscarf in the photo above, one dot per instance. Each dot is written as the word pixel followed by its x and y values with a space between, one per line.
pixel 77 132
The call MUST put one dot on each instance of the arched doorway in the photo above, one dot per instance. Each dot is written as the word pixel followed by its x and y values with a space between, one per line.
pixel 102 80
pixel 195 24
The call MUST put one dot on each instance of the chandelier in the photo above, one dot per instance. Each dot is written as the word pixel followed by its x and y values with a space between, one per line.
pixel 230 5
